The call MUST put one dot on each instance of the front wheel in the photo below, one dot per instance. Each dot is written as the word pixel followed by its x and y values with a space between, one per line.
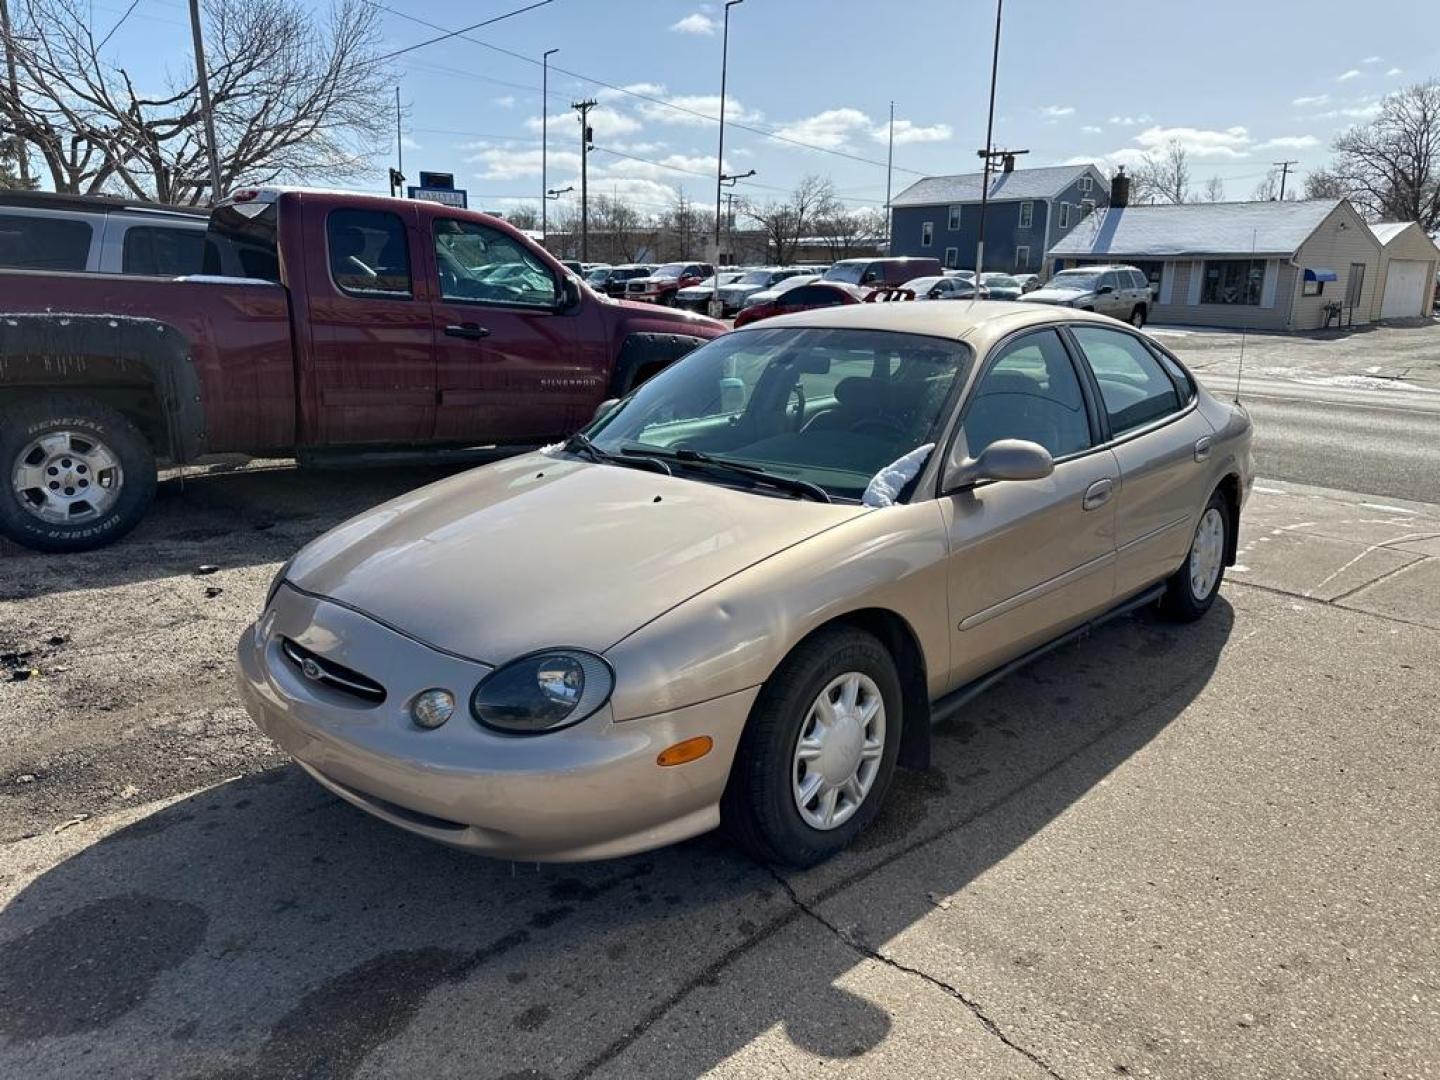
pixel 1192 589
pixel 818 752
pixel 77 474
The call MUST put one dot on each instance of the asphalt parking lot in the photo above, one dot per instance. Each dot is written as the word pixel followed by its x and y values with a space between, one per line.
pixel 1164 851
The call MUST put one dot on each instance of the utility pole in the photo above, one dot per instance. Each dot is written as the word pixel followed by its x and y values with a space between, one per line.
pixel 889 173
pixel 583 108
pixel 22 155
pixel 545 140
pixel 399 146
pixel 988 152
pixel 1284 167
pixel 729 227
pixel 203 79
pixel 720 154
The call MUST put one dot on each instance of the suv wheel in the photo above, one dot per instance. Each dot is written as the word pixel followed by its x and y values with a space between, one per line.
pixel 1137 316
pixel 77 474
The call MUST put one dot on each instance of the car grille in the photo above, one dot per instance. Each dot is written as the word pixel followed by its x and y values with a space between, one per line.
pixel 637 286
pixel 328 673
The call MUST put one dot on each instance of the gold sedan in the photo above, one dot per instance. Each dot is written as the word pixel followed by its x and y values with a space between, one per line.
pixel 744 593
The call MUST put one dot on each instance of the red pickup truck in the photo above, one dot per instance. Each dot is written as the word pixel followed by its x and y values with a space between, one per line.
pixel 324 321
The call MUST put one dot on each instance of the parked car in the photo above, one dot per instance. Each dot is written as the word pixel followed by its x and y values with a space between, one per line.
pixel 880 273
pixel 942 287
pixel 574 266
pixel 361 323
pixel 1028 282
pixel 698 297
pixel 999 287
pixel 43 231
pixel 614 280
pixel 742 596
pixel 733 296
pixel 1119 291
pixel 763 296
pixel 807 295
pixel 661 286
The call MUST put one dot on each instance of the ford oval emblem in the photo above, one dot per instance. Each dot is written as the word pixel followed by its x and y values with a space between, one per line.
pixel 312 670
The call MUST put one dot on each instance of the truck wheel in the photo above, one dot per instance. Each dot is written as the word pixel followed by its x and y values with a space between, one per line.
pixel 77 474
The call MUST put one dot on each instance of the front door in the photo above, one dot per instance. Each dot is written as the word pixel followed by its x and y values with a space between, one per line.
pixel 509 366
pixel 372 372
pixel 1113 302
pixel 1029 559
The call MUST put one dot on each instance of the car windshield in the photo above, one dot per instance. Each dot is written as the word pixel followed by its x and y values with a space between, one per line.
pixel 830 407
pixel 1004 281
pixel 847 272
pixel 597 277
pixel 709 282
pixel 755 277
pixel 670 270
pixel 1076 279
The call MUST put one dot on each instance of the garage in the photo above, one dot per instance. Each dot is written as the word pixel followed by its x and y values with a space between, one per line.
pixel 1405 291
pixel 1409 260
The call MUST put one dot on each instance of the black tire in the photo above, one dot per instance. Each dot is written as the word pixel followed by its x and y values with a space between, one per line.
pixel 759 809
pixel 1137 316
pixel 1180 601
pixel 23 422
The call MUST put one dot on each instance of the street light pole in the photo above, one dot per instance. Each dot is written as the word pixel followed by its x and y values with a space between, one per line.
pixel 720 153
pixel 583 108
pixel 203 79
pixel 544 139
pixel 989 146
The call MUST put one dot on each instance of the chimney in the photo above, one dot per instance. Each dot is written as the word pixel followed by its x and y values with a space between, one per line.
pixel 1008 163
pixel 1120 189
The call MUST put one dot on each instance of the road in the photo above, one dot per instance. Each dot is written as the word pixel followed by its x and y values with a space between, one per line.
pixel 1379 441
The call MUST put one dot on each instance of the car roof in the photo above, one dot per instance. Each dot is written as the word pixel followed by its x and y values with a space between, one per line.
pixel 979 322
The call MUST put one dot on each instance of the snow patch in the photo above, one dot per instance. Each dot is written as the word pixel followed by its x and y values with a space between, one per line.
pixel 885 486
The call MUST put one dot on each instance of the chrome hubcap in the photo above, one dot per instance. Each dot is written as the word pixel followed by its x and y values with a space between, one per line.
pixel 837 756
pixel 1207 553
pixel 67 477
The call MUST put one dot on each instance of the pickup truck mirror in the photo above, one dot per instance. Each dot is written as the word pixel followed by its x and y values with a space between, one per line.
pixel 569 298
pixel 604 407
pixel 1004 459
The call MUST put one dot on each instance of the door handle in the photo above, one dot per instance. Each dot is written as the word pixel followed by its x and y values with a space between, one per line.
pixel 1097 494
pixel 1202 447
pixel 469 331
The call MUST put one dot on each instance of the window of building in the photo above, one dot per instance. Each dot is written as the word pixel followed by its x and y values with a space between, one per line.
pixel 1027 214
pixel 1086 184
pixel 1134 387
pixel 1312 288
pixel 1233 281
pixel 952 258
pixel 927 234
pixel 155 249
pixel 1031 392
pixel 954 218
pixel 1087 207
pixel 369 254
pixel 483 265
pixel 1064 215
pixel 1022 257
pixel 40 243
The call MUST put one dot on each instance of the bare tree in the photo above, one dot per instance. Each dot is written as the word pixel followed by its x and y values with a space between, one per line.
pixel 846 232
pixel 1163 177
pixel 293 98
pixel 1214 189
pixel 684 228
pixel 785 222
pixel 10 166
pixel 523 217
pixel 1324 184
pixel 1390 167
pixel 620 230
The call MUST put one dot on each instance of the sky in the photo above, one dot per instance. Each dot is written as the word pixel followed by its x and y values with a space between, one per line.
pixel 1240 83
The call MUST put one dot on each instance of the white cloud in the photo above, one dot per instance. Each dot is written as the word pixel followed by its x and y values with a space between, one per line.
pixel 907 131
pixel 1307 102
pixel 1091 129
pixel 1233 142
pixel 506 102
pixel 1353 112
pixel 697 23
pixel 1054 112
pixel 1372 60
pixel 1289 142
pixel 498 163
pixel 409 144
pixel 707 105
pixel 604 120
pixel 1130 121
pixel 1396 71
pixel 1346 76
pixel 831 129
pixel 678 165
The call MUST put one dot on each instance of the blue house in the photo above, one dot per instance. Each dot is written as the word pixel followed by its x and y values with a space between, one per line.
pixel 1029 212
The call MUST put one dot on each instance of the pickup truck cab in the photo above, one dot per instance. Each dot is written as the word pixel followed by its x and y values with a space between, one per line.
pixel 362 322
pixel 661 286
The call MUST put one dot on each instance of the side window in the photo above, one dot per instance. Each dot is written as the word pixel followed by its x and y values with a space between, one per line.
pixel 485 265
pixel 1027 214
pixel 954 222
pixel 1111 279
pixel 1133 385
pixel 153 249
pixel 1178 373
pixel 369 255
pixel 38 243
pixel 1138 280
pixel 927 234
pixel 1029 392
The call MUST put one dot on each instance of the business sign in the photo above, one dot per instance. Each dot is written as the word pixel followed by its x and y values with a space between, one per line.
pixel 437 180
pixel 455 197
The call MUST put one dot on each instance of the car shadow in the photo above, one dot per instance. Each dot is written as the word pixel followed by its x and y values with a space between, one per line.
pixel 262 928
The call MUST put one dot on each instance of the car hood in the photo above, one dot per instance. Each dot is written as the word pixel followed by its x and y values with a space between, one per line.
pixel 741 290
pixel 1057 296
pixel 540 551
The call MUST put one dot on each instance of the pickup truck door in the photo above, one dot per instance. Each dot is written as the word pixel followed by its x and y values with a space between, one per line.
pixel 509 365
pixel 371 378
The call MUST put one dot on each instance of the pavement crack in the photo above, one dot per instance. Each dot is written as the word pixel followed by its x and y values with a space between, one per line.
pixel 859 947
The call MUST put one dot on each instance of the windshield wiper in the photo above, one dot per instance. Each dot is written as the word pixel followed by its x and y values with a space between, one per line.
pixel 580 444
pixel 697 458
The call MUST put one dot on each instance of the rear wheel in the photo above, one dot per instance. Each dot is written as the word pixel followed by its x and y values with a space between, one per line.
pixel 1192 589
pixel 818 752
pixel 1137 316
pixel 77 474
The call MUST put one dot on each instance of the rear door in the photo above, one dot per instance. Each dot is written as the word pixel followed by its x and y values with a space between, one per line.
pixel 1112 302
pixel 508 364
pixel 372 372
pixel 1161 442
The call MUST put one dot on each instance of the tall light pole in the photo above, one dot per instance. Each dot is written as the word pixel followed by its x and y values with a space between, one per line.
pixel 203 79
pixel 545 139
pixel 988 152
pixel 889 172
pixel 720 153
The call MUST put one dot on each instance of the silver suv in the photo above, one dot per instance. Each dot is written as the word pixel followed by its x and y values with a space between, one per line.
pixel 1122 292
pixel 43 231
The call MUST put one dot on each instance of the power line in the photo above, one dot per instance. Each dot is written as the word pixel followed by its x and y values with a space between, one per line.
pixel 457 33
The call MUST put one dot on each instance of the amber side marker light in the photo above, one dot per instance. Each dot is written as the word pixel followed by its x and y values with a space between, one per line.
pixel 689 750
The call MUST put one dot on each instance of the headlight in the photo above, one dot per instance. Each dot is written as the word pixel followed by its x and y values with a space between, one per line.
pixel 276 582
pixel 542 692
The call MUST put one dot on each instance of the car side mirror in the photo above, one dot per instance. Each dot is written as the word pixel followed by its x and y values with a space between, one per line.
pixel 1004 459
pixel 604 407
pixel 569 298
pixel 1104 290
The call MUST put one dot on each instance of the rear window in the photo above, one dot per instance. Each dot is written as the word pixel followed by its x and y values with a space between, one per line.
pixel 168 252
pixel 241 242
pixel 39 243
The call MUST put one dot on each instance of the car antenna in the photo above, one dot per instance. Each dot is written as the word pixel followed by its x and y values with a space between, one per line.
pixel 1240 370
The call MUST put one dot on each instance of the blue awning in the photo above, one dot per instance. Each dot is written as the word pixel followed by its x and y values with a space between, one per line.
pixel 1320 274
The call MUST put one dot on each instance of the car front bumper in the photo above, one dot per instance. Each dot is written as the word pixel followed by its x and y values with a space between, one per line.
pixel 592 791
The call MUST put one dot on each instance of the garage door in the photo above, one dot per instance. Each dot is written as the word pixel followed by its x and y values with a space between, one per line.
pixel 1404 289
